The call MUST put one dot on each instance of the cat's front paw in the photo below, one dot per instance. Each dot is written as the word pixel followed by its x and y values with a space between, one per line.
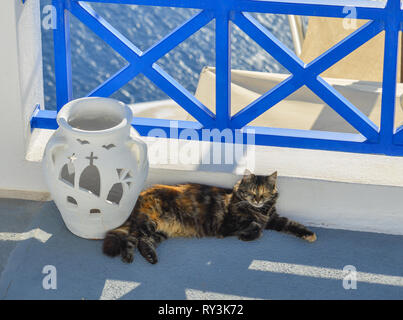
pixel 147 250
pixel 128 250
pixel 112 245
pixel 253 232
pixel 310 237
pixel 127 256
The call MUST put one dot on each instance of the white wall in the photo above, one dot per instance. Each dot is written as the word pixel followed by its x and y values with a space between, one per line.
pixel 331 189
pixel 317 202
pixel 21 87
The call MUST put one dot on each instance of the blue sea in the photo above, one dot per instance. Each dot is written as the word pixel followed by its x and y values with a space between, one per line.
pixel 93 61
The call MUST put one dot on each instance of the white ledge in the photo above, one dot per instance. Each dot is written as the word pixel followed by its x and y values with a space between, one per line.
pixel 289 162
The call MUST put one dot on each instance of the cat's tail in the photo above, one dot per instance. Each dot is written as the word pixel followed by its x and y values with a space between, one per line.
pixel 115 241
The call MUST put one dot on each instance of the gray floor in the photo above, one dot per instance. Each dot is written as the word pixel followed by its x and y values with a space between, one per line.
pixel 15 218
pixel 277 266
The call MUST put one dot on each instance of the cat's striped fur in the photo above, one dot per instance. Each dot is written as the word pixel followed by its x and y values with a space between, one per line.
pixel 195 210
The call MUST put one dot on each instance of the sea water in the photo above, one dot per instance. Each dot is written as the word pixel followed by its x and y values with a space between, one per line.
pixel 93 61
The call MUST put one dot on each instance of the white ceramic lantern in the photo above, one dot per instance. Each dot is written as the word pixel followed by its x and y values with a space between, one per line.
pixel 95 165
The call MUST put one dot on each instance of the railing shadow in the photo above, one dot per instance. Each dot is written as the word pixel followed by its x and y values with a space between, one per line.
pixel 204 265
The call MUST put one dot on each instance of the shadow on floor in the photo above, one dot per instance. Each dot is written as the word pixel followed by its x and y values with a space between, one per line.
pixel 189 266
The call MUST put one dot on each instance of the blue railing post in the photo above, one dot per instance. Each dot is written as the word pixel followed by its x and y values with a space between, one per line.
pixel 392 27
pixel 223 67
pixel 61 40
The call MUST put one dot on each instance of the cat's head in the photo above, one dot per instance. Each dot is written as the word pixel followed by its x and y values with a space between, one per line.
pixel 257 190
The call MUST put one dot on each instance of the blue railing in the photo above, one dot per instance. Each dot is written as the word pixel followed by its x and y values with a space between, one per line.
pixel 383 16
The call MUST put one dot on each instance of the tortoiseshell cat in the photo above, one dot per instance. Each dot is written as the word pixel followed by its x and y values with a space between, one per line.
pixel 195 210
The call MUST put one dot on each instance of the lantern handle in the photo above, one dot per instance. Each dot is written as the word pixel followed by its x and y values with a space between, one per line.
pixel 141 151
pixel 53 144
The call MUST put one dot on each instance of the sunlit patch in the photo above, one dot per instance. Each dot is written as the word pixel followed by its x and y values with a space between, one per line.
pixel 325 273
pixel 193 294
pixel 115 289
pixel 37 234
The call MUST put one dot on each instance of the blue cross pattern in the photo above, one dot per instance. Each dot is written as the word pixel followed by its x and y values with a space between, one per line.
pixel 383 17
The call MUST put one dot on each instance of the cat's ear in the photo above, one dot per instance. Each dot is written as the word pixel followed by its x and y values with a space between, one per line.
pixel 272 178
pixel 247 176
